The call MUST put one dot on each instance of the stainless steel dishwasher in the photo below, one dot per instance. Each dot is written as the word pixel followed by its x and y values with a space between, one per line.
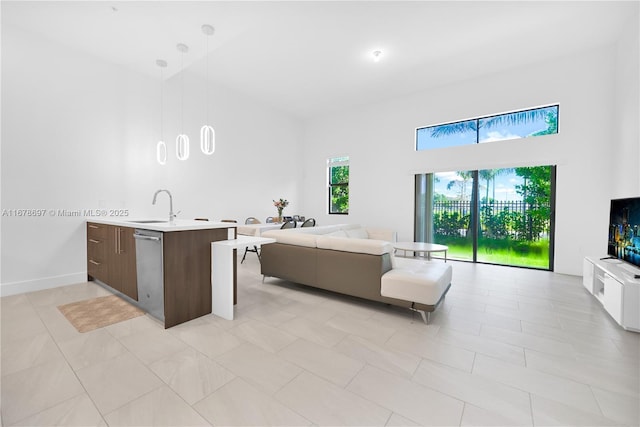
pixel 150 272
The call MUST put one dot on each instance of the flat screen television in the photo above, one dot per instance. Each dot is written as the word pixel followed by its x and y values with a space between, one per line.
pixel 624 221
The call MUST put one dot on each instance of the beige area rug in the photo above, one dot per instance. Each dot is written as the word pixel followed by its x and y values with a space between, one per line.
pixel 99 312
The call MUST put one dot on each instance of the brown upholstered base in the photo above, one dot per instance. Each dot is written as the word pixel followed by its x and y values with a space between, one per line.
pixel 347 273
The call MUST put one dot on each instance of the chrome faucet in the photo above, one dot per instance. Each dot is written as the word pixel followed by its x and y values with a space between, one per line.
pixel 171 214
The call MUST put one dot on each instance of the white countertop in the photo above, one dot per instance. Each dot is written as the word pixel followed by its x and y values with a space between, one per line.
pixel 256 229
pixel 178 225
pixel 242 241
pixel 223 261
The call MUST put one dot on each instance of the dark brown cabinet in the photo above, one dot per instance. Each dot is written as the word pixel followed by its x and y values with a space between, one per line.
pixel 111 257
pixel 123 264
pixel 97 252
pixel 187 273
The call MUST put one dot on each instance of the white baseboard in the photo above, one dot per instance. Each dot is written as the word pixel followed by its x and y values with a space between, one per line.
pixel 14 288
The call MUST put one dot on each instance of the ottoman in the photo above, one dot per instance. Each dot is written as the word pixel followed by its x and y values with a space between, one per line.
pixel 417 281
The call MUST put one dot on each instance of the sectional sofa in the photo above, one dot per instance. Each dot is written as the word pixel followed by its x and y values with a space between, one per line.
pixel 353 260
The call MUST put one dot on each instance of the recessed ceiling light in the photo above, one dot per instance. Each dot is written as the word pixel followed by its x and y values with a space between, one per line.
pixel 377 54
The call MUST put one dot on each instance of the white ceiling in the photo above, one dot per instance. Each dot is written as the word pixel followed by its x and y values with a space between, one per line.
pixel 308 58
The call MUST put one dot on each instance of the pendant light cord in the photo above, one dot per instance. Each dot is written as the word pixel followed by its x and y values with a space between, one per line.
pixel 208 88
pixel 161 103
pixel 182 97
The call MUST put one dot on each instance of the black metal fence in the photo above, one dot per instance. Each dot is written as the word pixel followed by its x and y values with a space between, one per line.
pixel 515 219
pixel 463 207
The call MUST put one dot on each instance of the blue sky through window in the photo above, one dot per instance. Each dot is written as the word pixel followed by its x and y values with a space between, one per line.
pixel 425 141
pixel 505 186
pixel 508 129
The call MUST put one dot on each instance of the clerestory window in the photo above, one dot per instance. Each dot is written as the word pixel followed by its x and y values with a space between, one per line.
pixel 500 127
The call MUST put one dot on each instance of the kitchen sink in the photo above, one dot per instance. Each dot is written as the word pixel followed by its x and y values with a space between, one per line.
pixel 149 221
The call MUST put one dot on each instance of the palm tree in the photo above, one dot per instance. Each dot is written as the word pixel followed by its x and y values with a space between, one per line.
pixel 488 175
pixel 552 125
pixel 465 176
pixel 520 117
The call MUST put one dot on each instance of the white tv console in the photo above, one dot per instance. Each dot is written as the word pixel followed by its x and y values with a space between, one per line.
pixel 612 282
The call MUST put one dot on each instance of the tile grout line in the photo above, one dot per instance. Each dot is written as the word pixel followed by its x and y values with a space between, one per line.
pixel 75 374
pixel 464 402
pixel 533 419
pixel 151 371
pixel 473 362
pixel 274 397
pixel 366 364
pixel 366 398
pixel 564 377
pixel 595 398
pixel 464 407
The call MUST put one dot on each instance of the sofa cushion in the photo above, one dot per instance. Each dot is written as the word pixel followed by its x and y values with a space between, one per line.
pixel 324 229
pixel 382 234
pixel 357 233
pixel 345 244
pixel 300 239
pixel 349 226
pixel 364 240
pixel 417 281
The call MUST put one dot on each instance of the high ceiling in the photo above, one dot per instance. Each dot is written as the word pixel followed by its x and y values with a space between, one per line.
pixel 311 57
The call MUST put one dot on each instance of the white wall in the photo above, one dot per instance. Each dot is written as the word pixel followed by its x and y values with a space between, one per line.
pixel 255 159
pixel 62 141
pixel 625 167
pixel 380 142
pixel 79 133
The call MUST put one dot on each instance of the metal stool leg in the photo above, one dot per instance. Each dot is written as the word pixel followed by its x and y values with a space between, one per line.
pixel 255 249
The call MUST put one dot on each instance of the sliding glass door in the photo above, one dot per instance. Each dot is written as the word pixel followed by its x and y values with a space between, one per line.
pixel 496 216
pixel 446 214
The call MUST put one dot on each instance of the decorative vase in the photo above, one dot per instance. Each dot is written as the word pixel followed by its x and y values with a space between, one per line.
pixel 279 218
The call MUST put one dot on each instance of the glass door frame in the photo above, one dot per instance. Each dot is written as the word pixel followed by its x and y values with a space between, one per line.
pixel 424 233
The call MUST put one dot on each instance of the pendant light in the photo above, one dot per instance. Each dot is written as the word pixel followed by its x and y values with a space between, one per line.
pixel 182 141
pixel 207 133
pixel 161 147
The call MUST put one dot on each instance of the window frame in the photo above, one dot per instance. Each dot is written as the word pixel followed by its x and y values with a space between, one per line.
pixel 424 223
pixel 333 162
pixel 477 121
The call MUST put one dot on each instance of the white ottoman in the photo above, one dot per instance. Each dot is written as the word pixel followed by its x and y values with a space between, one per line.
pixel 417 281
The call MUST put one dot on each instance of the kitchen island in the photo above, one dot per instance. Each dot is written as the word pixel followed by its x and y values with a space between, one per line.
pixel 182 261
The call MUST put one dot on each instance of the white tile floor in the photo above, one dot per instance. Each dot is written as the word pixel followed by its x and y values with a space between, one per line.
pixel 508 347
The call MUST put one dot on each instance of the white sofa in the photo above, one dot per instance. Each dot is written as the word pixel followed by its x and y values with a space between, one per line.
pixel 355 260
